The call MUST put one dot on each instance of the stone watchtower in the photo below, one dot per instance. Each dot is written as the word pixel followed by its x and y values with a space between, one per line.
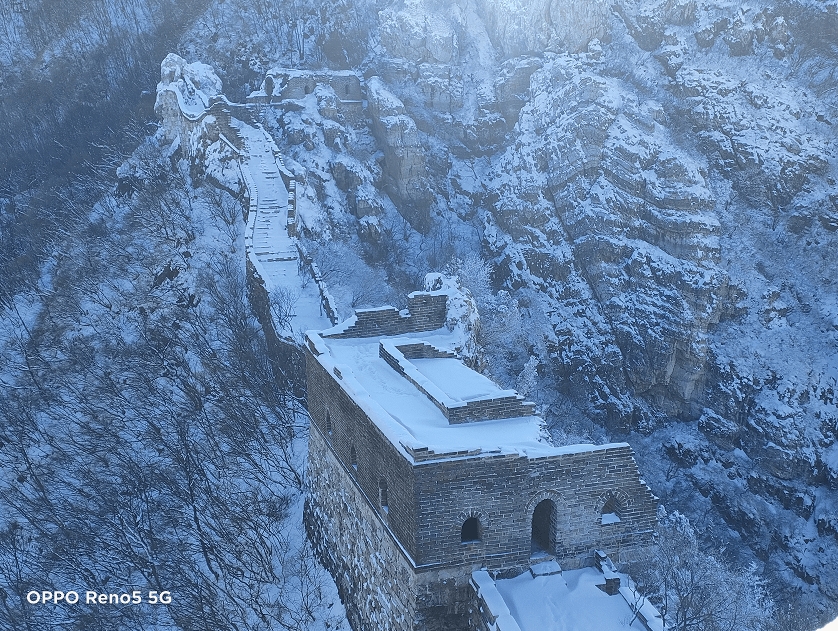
pixel 422 471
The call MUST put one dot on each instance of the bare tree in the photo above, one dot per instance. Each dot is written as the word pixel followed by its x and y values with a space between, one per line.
pixel 146 441
pixel 693 590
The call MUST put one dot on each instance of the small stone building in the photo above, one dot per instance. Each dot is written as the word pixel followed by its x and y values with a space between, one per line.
pixel 422 471
pixel 290 84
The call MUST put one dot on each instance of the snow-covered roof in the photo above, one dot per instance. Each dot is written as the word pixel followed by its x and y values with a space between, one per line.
pixel 565 602
pixel 409 410
pixel 456 380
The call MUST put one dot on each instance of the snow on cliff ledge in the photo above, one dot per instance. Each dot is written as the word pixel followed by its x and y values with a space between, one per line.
pixel 463 319
pixel 193 84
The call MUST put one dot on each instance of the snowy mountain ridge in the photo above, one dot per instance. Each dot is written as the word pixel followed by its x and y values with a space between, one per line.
pixel 640 199
pixel 657 200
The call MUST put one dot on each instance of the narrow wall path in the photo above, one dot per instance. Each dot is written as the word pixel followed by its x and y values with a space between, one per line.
pixel 269 241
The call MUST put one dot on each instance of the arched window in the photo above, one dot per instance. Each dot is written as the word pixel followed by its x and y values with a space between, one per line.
pixel 470 531
pixel 610 512
pixel 544 520
pixel 328 423
pixel 346 89
pixel 382 494
pixel 308 89
pixel 353 458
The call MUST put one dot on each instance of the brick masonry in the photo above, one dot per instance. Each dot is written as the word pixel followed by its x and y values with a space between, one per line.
pixel 374 577
pixel 503 491
pixel 292 84
pixel 512 406
pixel 425 312
pixel 403 565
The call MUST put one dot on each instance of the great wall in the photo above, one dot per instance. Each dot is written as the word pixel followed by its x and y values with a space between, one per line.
pixel 203 123
pixel 433 500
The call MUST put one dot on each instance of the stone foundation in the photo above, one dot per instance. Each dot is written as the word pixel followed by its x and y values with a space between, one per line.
pixel 376 579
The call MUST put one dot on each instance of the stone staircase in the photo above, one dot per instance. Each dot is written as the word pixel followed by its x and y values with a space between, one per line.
pixel 280 266
pixel 268 238
pixel 271 241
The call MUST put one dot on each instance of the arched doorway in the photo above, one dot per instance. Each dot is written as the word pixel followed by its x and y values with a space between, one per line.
pixel 610 513
pixel 544 529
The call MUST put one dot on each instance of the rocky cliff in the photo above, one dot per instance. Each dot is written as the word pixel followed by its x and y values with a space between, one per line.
pixel 655 186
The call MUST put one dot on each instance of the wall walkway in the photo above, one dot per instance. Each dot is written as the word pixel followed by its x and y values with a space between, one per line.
pixel 280 274
pixel 270 236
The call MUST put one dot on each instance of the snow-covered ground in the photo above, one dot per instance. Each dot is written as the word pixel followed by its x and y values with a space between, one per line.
pixel 832 626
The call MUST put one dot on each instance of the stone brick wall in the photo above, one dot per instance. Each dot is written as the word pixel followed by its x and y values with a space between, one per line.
pixel 289 360
pixel 512 406
pixel 489 611
pixel 430 500
pixel 406 567
pixel 421 350
pixel 502 491
pixel 347 87
pixel 174 122
pixel 375 580
pixel 426 312
pixel 326 299
pixel 376 457
pixel 296 85
pixel 217 115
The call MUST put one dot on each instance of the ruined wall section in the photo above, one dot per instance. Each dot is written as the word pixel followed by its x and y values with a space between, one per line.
pixel 342 89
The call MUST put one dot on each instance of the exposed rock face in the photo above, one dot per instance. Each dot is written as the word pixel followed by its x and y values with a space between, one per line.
pixel 184 90
pixel 519 26
pixel 404 158
pixel 658 187
pixel 416 33
pixel 638 219
pixel 512 86
pixel 752 134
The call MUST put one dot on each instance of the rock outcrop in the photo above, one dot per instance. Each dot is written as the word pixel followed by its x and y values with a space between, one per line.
pixel 518 27
pixel 405 174
pixel 183 95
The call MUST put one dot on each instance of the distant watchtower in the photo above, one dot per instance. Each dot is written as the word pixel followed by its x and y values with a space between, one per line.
pixel 422 471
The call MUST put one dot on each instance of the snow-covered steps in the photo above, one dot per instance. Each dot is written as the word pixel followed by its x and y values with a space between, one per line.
pixel 546 568
pixel 271 228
